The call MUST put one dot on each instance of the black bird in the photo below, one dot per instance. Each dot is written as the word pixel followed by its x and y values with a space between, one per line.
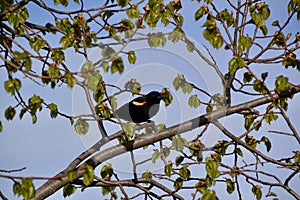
pixel 140 109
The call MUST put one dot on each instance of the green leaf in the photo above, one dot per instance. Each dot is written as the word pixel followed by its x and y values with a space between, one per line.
pixel 156 155
pixel 297 157
pixel 54 73
pixel 200 13
pixel 179 19
pixel 81 126
pixel 33 118
pixel 220 147
pixel 235 63
pixel 225 15
pixel 88 175
pixel 131 57
pixel 62 2
pixel 87 68
pixel 270 117
pixel 275 23
pixel 108 52
pixel 109 190
pixel 122 3
pixel 35 103
pixel 194 101
pixel 129 129
pixel 175 35
pixel 113 102
pixel 258 86
pixel 279 40
pixel 208 1
pixel 229 186
pixel 244 43
pixel 187 88
pixel 184 172
pixel 103 110
pixel 281 84
pixel 167 97
pixel 53 110
pixel 256 190
pixel 264 29
pixel 117 65
pixel 68 190
pixel 178 143
pixel 1 127
pixel 178 183
pixel 239 152
pixel 147 174
pixel 178 160
pixel 37 43
pixel 267 143
pixel 9 113
pixel 179 81
pixel 70 79
pixel 12 85
pixel 209 195
pixel 126 25
pixel 94 81
pixel 256 17
pixel 66 41
pixel 133 11
pixel 58 56
pixel 247 77
pixel 212 168
pixel 105 66
pixel 28 190
pixel 265 12
pixel 17 188
pixel 201 187
pixel 168 169
pixel 214 37
pixel 250 140
pixel 71 175
pixel 249 119
pixel 99 92
pixel 133 86
pixel 106 171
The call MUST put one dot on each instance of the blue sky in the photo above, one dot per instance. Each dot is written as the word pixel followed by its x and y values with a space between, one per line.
pixel 48 146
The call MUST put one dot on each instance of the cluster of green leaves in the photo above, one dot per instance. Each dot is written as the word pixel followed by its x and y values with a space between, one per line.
pixel 259 13
pixel 133 86
pixel 251 141
pixel 106 174
pixel 212 171
pixel 167 96
pixel 196 150
pixel 12 85
pixel 88 178
pixel 5 4
pixel 25 188
pixel 156 11
pixel 211 32
pixel 77 33
pixel 16 18
pixel 117 64
pixel 236 63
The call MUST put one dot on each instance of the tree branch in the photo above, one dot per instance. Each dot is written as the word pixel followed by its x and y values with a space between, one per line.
pixel 52 186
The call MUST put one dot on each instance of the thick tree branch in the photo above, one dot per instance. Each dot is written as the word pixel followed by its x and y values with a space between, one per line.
pixel 52 186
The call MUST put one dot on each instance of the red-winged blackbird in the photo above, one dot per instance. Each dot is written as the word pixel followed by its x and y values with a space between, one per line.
pixel 140 109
